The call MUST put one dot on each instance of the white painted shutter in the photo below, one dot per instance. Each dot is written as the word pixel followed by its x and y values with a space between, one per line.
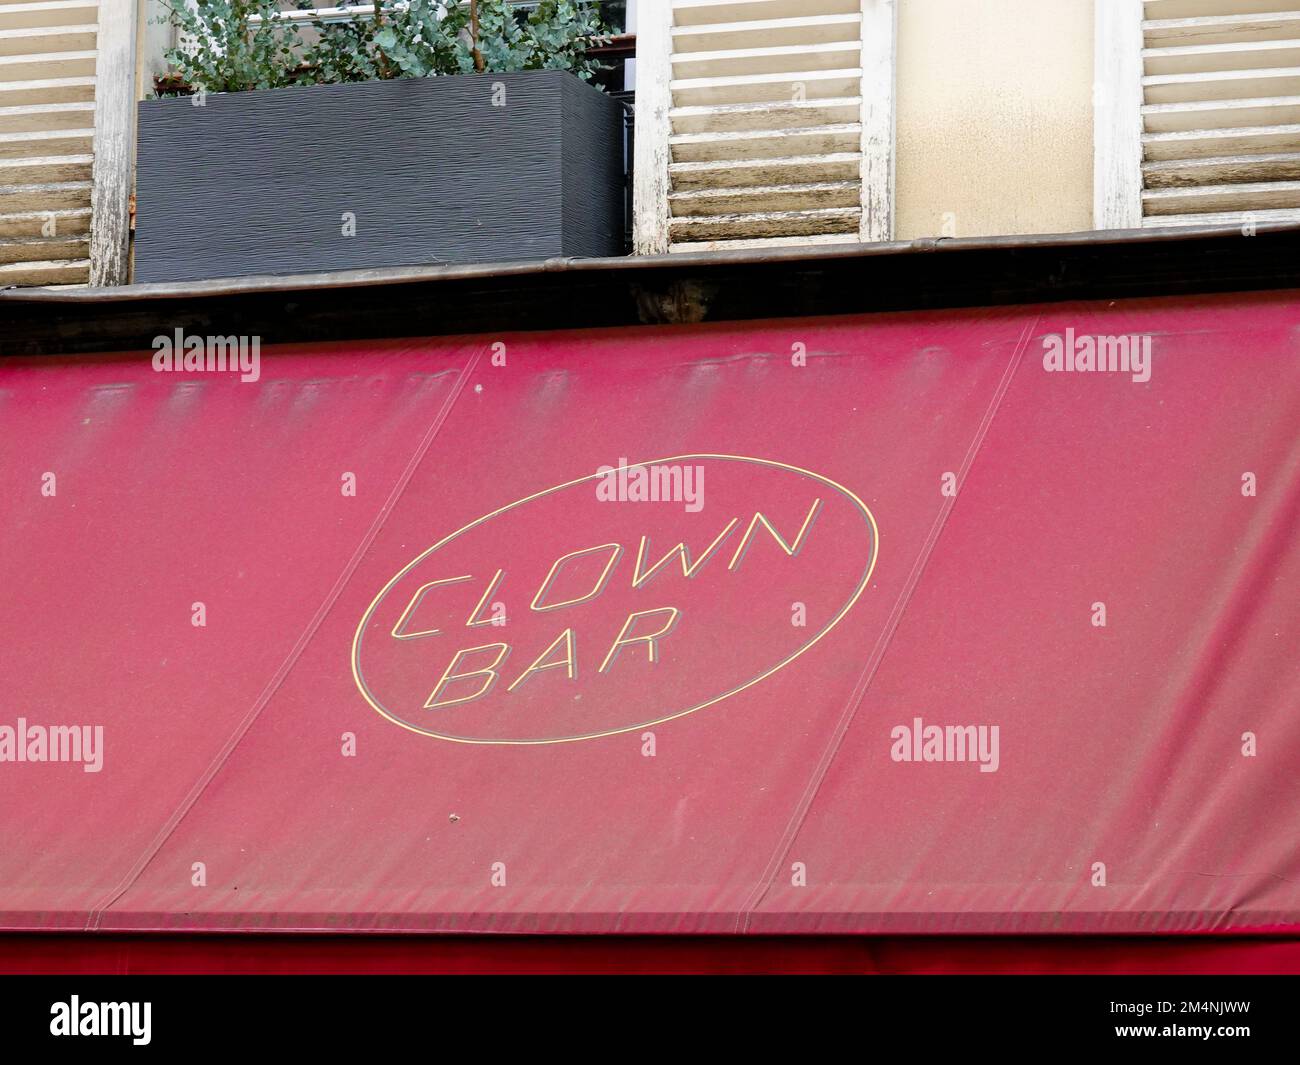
pixel 1220 111
pixel 47 120
pixel 762 122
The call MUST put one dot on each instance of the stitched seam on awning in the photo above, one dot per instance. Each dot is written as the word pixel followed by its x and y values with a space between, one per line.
pixel 877 655
pixel 96 913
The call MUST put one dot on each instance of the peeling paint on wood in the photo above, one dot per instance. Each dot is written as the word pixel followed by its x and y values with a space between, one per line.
pixel 1117 118
pixel 879 33
pixel 779 122
pixel 114 145
pixel 653 101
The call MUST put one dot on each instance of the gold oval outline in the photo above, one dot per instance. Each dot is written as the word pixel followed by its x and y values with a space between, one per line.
pixel 359 680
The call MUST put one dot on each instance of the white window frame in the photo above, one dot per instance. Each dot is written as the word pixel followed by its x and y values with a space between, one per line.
pixel 1117 115
pixel 113 170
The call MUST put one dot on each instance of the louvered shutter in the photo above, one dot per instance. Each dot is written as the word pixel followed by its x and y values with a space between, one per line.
pixel 1220 111
pixel 47 118
pixel 773 119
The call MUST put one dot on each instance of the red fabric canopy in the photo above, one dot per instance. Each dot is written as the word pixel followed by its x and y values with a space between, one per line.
pixel 469 698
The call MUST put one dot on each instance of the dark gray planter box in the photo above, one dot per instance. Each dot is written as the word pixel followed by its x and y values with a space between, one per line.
pixel 261 182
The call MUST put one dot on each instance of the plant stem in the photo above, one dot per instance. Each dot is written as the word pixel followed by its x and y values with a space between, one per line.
pixel 385 68
pixel 479 65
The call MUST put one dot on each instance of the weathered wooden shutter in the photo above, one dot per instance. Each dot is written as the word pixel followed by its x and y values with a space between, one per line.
pixel 47 121
pixel 763 122
pixel 1213 133
pixel 1221 111
pixel 49 174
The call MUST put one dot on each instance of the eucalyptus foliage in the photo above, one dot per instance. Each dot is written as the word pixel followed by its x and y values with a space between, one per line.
pixel 222 48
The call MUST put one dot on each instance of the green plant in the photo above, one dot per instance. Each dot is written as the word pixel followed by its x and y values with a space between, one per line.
pixel 223 49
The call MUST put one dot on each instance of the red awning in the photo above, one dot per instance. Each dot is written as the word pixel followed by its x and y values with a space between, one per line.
pixel 929 636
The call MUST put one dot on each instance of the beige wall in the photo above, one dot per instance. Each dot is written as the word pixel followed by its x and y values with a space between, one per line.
pixel 994 117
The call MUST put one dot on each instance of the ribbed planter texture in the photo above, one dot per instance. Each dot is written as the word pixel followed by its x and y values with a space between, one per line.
pixel 421 171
